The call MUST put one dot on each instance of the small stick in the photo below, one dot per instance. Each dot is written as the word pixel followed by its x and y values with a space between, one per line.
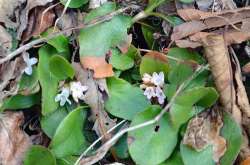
pixel 95 142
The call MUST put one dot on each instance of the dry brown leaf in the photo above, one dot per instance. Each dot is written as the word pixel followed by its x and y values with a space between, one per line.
pixel 67 20
pixel 8 8
pixel 199 21
pixel 157 56
pixel 204 130
pixel 30 4
pixel 231 37
pixel 36 25
pixel 194 14
pixel 97 89
pixel 246 161
pixel 10 74
pixel 5 42
pixel 14 142
pixel 218 58
pixel 99 65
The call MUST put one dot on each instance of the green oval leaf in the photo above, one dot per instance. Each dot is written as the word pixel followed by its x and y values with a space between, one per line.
pixel 61 68
pixel 154 62
pixel 29 84
pixel 154 143
pixel 74 3
pixel 148 34
pixel 121 61
pixel 202 96
pixel 98 39
pixel 68 139
pixel 47 80
pixel 38 155
pixel 50 122
pixel 60 43
pixel 183 54
pixel 21 102
pixel 231 131
pixel 192 157
pixel 125 100
pixel 175 159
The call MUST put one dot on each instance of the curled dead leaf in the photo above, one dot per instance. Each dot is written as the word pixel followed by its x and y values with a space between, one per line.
pixel 200 20
pixel 10 74
pixel 14 142
pixel 99 65
pixel 204 130
pixel 39 21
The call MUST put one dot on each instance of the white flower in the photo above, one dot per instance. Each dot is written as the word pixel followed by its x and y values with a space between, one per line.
pixel 63 97
pixel 158 79
pixel 160 95
pixel 150 92
pixel 77 90
pixel 29 62
pixel 146 78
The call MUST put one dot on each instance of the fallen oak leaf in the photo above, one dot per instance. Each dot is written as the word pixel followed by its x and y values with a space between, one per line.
pixel 99 65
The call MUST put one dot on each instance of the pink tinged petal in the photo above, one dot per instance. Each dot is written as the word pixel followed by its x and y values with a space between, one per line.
pixel 161 100
pixel 160 95
pixel 158 79
pixel 149 92
pixel 146 78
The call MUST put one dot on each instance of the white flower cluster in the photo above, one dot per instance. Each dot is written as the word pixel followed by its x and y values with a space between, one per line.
pixel 153 86
pixel 76 89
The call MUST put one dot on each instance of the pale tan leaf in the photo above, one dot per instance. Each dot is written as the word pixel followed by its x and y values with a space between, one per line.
pixel 99 65
pixel 204 130
pixel 14 142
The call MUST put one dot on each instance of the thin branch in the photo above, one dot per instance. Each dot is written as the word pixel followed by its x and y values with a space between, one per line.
pixel 101 152
pixel 64 11
pixel 55 34
pixel 95 142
